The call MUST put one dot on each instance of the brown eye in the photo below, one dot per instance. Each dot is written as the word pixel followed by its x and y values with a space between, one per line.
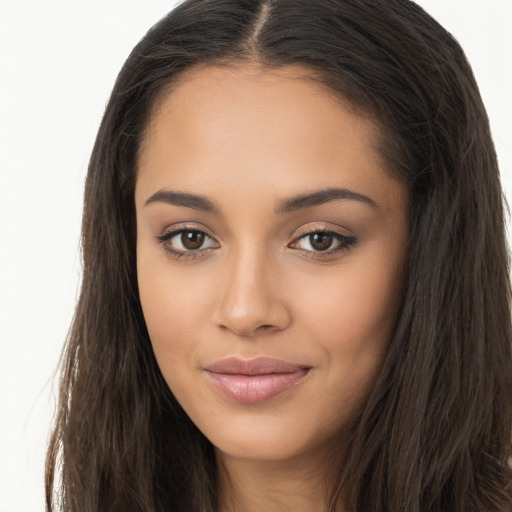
pixel 321 241
pixel 192 240
pixel 187 242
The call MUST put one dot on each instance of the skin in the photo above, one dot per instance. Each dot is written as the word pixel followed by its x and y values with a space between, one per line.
pixel 248 139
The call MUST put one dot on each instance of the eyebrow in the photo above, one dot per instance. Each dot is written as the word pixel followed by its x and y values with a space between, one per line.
pixel 193 201
pixel 320 197
pixel 308 200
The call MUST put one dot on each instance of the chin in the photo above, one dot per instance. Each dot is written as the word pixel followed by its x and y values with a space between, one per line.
pixel 270 449
pixel 266 441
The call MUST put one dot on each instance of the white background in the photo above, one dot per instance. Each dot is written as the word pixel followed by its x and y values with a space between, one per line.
pixel 58 62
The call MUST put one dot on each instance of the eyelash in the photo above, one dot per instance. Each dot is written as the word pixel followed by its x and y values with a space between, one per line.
pixel 165 238
pixel 344 243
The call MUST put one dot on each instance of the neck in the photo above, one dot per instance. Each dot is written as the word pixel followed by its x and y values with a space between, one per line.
pixel 274 486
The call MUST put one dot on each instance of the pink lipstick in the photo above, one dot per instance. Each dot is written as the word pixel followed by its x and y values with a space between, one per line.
pixel 254 380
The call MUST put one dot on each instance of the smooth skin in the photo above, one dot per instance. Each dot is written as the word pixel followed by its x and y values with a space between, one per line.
pixel 237 271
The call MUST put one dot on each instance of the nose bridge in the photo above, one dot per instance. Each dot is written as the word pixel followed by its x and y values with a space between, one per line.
pixel 251 300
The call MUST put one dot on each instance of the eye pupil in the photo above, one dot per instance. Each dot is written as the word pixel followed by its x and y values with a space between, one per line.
pixel 320 241
pixel 192 240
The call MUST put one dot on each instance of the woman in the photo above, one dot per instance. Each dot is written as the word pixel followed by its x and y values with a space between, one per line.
pixel 295 291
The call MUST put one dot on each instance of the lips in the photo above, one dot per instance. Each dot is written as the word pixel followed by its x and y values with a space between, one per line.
pixel 255 380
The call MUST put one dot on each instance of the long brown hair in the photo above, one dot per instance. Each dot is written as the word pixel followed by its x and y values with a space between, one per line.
pixel 435 432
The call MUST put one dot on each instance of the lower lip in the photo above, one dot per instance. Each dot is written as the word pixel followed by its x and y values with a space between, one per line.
pixel 253 389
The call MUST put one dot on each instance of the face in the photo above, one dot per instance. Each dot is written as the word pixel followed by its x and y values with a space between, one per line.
pixel 271 243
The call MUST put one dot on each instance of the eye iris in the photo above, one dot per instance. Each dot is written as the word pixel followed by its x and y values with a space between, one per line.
pixel 320 241
pixel 192 240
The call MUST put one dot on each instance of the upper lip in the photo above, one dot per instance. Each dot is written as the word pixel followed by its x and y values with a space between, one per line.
pixel 256 366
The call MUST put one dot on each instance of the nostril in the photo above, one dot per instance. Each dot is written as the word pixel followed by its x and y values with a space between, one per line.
pixel 248 333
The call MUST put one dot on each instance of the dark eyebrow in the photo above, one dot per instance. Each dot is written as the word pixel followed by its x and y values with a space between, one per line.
pixel 321 197
pixel 299 202
pixel 182 199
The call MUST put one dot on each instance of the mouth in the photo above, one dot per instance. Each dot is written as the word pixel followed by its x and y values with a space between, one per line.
pixel 255 380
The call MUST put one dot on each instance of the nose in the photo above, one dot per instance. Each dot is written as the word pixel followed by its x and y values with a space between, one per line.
pixel 252 300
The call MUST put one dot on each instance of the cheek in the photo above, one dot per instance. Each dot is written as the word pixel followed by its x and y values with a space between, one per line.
pixel 172 310
pixel 178 303
pixel 351 317
pixel 356 305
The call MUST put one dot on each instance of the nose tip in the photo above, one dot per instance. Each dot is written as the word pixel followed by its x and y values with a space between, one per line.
pixel 252 303
pixel 252 320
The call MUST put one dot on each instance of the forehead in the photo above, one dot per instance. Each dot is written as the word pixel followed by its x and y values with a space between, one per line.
pixel 253 125
pixel 219 99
